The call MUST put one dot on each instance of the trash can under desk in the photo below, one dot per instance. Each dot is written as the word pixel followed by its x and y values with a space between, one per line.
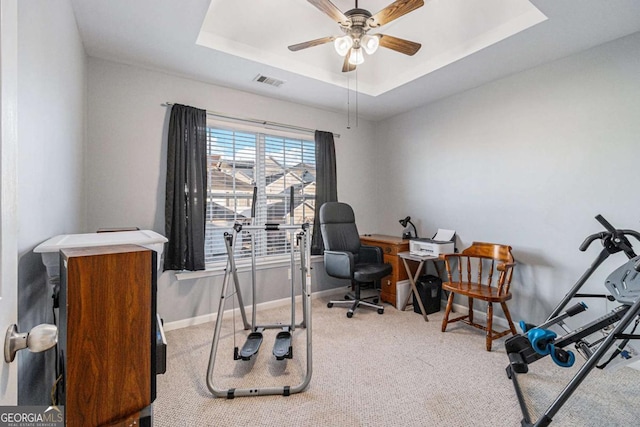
pixel 430 290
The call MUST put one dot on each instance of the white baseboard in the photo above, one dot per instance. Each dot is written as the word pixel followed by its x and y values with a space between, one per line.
pixel 179 324
pixel 183 323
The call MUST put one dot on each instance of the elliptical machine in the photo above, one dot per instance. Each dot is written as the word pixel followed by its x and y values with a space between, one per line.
pixel 537 342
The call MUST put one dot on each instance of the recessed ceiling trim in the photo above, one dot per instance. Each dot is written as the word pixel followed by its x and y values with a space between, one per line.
pixel 448 30
pixel 284 62
pixel 471 46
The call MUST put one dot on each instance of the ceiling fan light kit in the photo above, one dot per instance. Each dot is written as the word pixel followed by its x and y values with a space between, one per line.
pixel 343 44
pixel 356 57
pixel 370 44
pixel 355 24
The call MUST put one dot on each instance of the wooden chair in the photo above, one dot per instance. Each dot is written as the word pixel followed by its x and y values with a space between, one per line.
pixel 483 272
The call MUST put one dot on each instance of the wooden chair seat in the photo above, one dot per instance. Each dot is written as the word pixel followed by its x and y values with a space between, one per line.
pixel 477 291
pixel 483 271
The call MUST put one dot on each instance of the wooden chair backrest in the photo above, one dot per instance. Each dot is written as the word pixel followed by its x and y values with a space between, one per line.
pixel 482 263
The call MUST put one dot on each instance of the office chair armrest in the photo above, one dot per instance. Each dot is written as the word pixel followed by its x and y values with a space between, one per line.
pixel 339 264
pixel 370 254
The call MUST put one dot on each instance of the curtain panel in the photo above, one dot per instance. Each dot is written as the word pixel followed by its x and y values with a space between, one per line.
pixel 186 191
pixel 326 183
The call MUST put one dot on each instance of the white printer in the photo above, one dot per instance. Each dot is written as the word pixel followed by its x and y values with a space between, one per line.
pixel 441 243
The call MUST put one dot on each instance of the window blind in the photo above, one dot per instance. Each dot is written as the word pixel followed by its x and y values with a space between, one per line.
pixel 238 161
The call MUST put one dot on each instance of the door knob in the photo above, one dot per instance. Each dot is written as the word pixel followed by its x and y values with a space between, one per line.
pixel 40 338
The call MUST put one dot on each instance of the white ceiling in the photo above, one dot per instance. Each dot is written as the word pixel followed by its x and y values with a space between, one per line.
pixel 447 29
pixel 465 43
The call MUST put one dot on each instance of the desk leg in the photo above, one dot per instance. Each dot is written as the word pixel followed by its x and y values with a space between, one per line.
pixel 414 290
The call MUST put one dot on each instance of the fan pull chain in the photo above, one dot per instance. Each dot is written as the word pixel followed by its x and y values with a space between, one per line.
pixel 348 102
pixel 356 92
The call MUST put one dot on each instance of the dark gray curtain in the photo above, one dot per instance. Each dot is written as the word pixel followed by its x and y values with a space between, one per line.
pixel 326 186
pixel 186 203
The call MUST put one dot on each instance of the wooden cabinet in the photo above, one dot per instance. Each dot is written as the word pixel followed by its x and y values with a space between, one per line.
pixel 107 333
pixel 390 246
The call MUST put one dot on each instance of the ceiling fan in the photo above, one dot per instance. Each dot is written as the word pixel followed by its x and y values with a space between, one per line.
pixel 356 23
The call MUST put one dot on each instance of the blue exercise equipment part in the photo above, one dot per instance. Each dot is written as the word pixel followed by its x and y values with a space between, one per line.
pixel 563 358
pixel 536 342
pixel 526 326
pixel 541 340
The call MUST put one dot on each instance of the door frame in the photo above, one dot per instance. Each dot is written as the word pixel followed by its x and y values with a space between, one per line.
pixel 8 189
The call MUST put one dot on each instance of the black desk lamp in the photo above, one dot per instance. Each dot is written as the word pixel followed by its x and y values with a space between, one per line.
pixel 404 222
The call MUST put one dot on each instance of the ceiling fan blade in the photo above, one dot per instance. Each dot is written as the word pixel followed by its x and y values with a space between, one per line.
pixel 394 11
pixel 347 66
pixel 331 10
pixel 399 45
pixel 311 43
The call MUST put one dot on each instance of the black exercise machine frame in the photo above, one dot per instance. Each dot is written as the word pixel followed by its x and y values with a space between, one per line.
pixel 521 352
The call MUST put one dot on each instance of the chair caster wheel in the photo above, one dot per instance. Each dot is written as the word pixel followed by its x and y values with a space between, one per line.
pixel 375 300
pixel 329 304
pixel 349 314
pixel 346 297
pixel 380 310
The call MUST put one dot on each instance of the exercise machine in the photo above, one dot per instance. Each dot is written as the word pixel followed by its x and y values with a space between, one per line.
pixel 282 349
pixel 538 341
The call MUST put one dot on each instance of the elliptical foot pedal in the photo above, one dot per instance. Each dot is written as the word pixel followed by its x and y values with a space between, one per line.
pixel 282 348
pixel 251 346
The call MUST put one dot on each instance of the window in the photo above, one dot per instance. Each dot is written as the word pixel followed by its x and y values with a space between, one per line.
pixel 238 161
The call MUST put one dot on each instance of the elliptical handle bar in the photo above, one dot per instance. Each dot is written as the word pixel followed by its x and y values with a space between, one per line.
pixel 612 237
pixel 602 235
pixel 590 239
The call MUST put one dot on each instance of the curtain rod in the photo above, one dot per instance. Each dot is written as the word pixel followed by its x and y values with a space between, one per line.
pixel 257 121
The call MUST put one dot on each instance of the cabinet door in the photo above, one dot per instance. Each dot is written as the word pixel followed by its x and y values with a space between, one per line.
pixel 106 353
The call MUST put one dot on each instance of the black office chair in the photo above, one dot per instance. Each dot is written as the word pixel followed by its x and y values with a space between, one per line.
pixel 346 258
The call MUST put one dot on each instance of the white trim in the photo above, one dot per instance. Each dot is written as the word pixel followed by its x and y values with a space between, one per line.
pixel 8 188
pixel 192 321
pixel 179 324
pixel 198 320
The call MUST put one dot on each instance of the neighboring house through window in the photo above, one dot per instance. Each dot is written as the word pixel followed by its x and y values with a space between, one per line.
pixel 238 161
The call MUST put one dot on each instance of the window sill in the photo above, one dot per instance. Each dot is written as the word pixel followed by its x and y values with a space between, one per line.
pixel 218 269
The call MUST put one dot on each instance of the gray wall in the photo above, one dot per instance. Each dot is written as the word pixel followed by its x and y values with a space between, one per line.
pixel 126 163
pixel 528 161
pixel 51 110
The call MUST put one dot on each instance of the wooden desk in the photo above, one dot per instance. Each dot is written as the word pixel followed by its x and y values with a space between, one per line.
pixel 391 246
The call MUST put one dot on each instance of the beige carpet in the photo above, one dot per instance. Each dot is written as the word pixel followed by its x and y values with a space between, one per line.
pixel 377 370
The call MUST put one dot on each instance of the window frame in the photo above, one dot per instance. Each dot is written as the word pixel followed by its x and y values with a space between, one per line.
pixel 263 138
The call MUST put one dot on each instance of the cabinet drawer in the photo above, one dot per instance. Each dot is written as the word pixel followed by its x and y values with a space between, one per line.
pixel 388 285
pixel 389 249
pixel 390 245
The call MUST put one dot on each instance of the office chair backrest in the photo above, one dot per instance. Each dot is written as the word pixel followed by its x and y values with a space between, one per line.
pixel 338 227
